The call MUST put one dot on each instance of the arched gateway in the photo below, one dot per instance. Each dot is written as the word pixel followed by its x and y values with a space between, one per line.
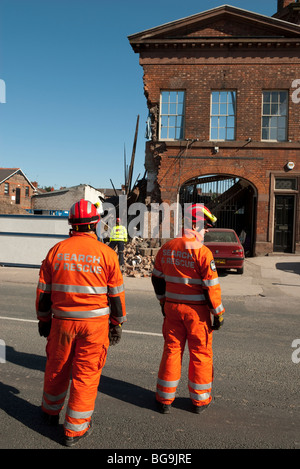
pixel 232 199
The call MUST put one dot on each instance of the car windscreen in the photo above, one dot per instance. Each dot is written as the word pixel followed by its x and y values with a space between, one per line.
pixel 219 237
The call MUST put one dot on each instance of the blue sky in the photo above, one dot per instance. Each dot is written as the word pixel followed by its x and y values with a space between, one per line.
pixel 74 85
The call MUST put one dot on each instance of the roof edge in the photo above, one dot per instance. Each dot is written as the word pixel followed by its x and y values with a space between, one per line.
pixel 14 171
pixel 205 14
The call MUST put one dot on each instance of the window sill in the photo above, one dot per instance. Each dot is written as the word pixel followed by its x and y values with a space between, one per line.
pixel 230 144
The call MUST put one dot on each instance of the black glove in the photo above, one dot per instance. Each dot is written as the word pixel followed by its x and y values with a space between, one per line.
pixel 44 328
pixel 162 307
pixel 114 334
pixel 218 322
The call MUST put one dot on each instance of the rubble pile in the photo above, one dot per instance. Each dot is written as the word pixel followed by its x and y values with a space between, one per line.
pixel 139 256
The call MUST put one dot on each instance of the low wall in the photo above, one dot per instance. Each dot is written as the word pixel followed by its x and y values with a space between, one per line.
pixel 26 239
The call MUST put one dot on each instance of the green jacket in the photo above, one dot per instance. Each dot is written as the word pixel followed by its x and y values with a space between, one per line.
pixel 118 233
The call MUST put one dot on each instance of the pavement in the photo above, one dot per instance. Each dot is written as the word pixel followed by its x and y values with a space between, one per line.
pixel 263 276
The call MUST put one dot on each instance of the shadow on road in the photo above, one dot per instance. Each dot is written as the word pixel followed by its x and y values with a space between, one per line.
pixel 30 415
pixel 26 360
pixel 26 413
pixel 292 267
pixel 127 392
pixel 136 395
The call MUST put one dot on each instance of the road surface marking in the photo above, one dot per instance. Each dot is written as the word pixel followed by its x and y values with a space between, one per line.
pixel 124 330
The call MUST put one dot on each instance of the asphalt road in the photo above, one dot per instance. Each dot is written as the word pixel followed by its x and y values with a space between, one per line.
pixel 255 393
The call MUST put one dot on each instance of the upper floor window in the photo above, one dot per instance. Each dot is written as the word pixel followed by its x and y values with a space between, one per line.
pixel 6 188
pixel 26 191
pixel 223 111
pixel 172 108
pixel 274 115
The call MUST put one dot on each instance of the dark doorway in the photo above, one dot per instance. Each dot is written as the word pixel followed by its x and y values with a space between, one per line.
pixel 231 199
pixel 18 195
pixel 284 223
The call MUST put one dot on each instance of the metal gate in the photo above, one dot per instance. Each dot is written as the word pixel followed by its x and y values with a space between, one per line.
pixel 231 199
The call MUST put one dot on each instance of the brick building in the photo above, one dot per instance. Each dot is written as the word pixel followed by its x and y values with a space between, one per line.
pixel 223 93
pixel 15 191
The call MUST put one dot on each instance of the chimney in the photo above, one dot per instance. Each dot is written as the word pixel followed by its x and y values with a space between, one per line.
pixel 288 10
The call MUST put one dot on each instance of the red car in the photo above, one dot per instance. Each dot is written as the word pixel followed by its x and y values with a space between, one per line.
pixel 227 249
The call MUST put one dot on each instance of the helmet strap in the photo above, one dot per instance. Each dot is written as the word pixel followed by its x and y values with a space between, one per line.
pixel 84 228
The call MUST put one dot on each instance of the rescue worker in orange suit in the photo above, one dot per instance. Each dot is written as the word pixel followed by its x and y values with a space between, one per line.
pixel 186 283
pixel 80 305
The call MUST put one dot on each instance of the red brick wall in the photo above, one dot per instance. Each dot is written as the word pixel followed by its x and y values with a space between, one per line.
pixel 249 71
pixel 16 181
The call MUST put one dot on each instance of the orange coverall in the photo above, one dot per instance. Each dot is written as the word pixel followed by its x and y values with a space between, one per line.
pixel 186 283
pixel 80 289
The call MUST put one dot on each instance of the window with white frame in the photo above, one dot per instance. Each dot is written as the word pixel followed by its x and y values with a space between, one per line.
pixel 274 115
pixel 222 117
pixel 172 108
pixel 6 188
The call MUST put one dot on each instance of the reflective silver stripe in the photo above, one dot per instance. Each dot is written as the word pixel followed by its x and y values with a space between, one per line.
pixel 218 310
pixel 120 319
pixel 76 427
pixel 166 395
pixel 44 286
pixel 192 281
pixel 200 397
pixel 179 296
pixel 79 415
pixel 157 273
pixel 43 314
pixel 160 297
pixel 168 384
pixel 81 314
pixel 53 407
pixel 211 283
pixel 79 289
pixel 52 398
pixel 115 290
pixel 200 387
pixel 184 280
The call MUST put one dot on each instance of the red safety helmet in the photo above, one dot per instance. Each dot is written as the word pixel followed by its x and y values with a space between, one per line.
pixel 83 212
pixel 197 213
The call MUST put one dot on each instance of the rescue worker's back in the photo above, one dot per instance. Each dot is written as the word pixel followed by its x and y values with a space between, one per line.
pixel 81 279
pixel 80 304
pixel 186 283
pixel 188 269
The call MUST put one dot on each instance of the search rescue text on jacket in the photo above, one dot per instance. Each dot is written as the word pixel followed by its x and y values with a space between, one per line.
pixel 78 263
pixel 180 258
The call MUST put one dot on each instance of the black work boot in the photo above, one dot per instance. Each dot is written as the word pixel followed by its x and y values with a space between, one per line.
pixel 52 420
pixel 197 409
pixel 73 440
pixel 163 408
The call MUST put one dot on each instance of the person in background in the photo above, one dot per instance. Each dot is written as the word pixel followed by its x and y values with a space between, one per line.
pixel 118 236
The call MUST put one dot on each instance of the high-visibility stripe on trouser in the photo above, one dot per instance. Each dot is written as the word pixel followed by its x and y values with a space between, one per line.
pixel 189 323
pixel 76 423
pixel 166 390
pixel 53 404
pixel 81 346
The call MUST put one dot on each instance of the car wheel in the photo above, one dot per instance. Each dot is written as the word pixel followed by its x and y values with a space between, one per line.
pixel 240 271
